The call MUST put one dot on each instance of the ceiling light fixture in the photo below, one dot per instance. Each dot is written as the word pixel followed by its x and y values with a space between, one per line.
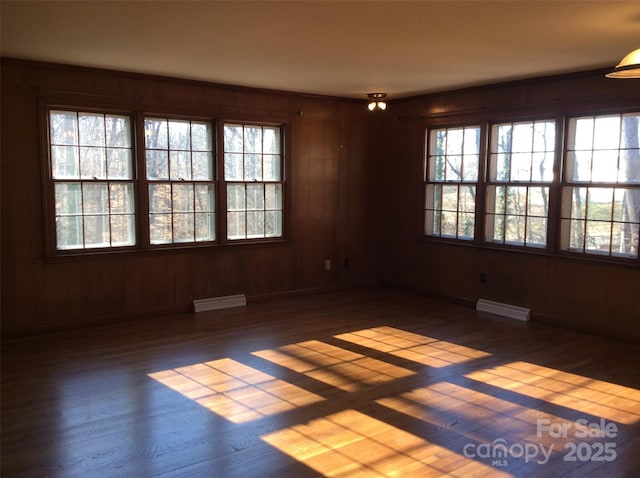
pixel 376 101
pixel 629 67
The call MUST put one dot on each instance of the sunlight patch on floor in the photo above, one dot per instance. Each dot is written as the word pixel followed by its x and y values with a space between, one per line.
pixel 235 390
pixel 350 443
pixel 335 366
pixel 583 394
pixel 411 346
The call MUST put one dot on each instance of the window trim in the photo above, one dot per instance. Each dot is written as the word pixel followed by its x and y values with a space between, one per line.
pixel 284 127
pixel 426 182
pixel 564 184
pixel 137 115
pixel 486 119
pixel 488 183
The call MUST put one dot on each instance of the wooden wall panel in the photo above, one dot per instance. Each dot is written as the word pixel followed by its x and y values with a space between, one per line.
pixel 580 294
pixel 39 294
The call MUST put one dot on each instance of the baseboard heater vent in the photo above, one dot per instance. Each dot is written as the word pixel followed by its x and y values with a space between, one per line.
pixel 217 303
pixel 504 310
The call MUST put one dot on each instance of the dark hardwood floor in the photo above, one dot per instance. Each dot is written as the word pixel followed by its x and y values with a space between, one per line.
pixel 358 383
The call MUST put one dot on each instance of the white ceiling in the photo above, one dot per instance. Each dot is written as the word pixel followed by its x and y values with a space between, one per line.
pixel 337 48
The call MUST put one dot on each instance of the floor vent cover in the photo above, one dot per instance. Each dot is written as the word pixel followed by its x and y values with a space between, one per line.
pixel 216 303
pixel 504 310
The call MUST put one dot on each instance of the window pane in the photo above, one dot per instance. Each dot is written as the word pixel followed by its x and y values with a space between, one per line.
pixel 204 197
pixel 65 162
pixel 93 163
pixel 252 139
pixel 202 166
pixel 450 198
pixel 273 196
pixel 160 228
pixel 160 198
pixel 157 164
pixel 522 137
pixel 95 198
pixel 514 229
pixel 271 140
pixel 538 204
pixel 63 127
pixel 273 223
pixel 453 168
pixel 179 135
pixel 606 134
pixel 449 224
pixel 437 168
pixel 69 234
pixel 205 227
pixel 597 236
pixel 179 165
pixel 236 225
pixel 201 137
pixel 97 231
pixel 536 231
pixel 233 138
pixel 68 199
pixel 122 230
pixel 470 169
pixel 182 198
pixel 255 224
pixel 233 167
pixel 255 196
pixel 604 166
pixel 183 227
pixel 271 167
pixel 542 166
pixel 252 167
pixel 466 223
pixel 236 197
pixel 117 131
pixel 119 164
pixel 156 133
pixel 599 204
pixel 121 198
pixel 92 131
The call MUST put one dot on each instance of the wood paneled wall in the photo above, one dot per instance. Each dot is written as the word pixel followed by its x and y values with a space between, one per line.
pixel 330 180
pixel 357 195
pixel 586 295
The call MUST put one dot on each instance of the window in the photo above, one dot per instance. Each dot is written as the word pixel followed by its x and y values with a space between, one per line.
pixel 179 171
pixel 107 192
pixel 92 174
pixel 451 182
pixel 601 188
pixel 521 163
pixel 254 181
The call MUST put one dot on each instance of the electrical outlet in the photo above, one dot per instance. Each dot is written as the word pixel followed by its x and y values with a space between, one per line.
pixel 327 264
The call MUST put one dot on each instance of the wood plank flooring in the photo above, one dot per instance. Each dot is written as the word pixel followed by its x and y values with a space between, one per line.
pixel 346 384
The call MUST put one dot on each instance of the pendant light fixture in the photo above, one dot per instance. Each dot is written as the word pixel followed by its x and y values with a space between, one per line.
pixel 629 67
pixel 377 101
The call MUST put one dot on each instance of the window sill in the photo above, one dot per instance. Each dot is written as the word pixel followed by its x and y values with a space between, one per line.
pixel 163 250
pixel 567 256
